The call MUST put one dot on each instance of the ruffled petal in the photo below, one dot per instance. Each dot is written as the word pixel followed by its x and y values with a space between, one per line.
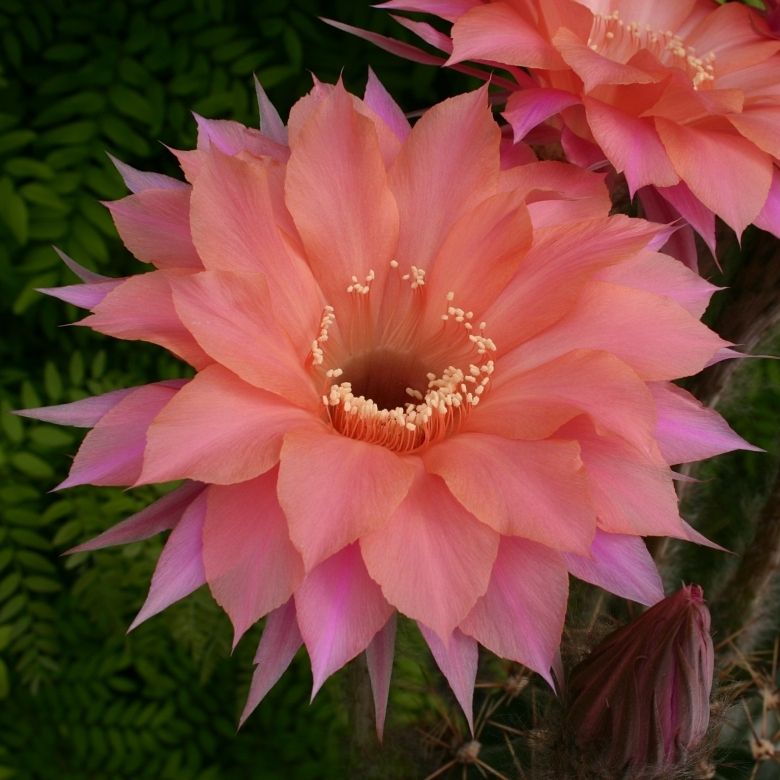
pixel 340 610
pixel 432 558
pixel 251 565
pixel 334 489
pixel 521 615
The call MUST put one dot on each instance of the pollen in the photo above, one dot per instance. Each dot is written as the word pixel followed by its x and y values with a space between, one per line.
pixel 328 318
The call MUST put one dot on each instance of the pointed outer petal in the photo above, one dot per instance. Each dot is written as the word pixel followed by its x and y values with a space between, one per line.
pixel 769 218
pixel 632 490
pixel 621 565
pixel 498 33
pixel 632 145
pixel 682 243
pixel 379 658
pixel 533 489
pixel 112 452
pixel 334 489
pixel 179 569
pixel 554 271
pixel 687 430
pixel 714 165
pixel 138 181
pixel 155 226
pixel 690 534
pixel 271 124
pixel 534 404
pixel 85 413
pixel 232 317
pixel 591 67
pixel 446 9
pixel 448 165
pixel 663 275
pixel 615 319
pixel 432 558
pixel 379 100
pixel 426 32
pixel 85 296
pixel 528 108
pixel 399 48
pixel 487 244
pixel 251 565
pixel 521 615
pixel 163 515
pixel 340 610
pixel 231 138
pixel 219 429
pixel 141 308
pixel 457 658
pixel 692 210
pixel 336 190
pixel 83 273
pixel 239 224
pixel 279 643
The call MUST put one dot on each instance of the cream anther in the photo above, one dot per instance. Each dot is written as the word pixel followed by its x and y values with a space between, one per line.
pixel 328 318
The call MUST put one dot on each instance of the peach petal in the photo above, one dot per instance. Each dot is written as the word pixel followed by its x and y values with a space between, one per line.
pixel 141 308
pixel 340 610
pixel 432 558
pixel 232 317
pixel 251 565
pixel 219 430
pixel 769 218
pixel 334 489
pixel 436 183
pixel 155 226
pixel 379 659
pixel 271 124
pixel 521 615
pixel 85 413
pixel 379 100
pixel 232 138
pixel 528 108
pixel 139 181
pixel 536 490
pixel 337 193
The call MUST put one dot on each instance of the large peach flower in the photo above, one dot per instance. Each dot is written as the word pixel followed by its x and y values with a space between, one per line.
pixel 423 384
pixel 683 97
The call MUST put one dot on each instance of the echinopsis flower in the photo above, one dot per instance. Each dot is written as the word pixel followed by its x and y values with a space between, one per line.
pixel 682 97
pixel 641 700
pixel 423 384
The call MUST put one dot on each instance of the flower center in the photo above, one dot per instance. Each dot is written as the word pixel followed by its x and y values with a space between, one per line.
pixel 398 395
pixel 611 37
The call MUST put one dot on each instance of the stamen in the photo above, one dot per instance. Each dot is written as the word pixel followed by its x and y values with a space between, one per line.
pixel 328 318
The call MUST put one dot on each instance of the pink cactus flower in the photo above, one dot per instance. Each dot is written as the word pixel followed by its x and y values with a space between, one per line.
pixel 682 97
pixel 423 384
pixel 641 699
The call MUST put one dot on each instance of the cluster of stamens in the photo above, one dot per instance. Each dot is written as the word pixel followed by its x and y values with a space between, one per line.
pixel 428 415
pixel 359 287
pixel 618 40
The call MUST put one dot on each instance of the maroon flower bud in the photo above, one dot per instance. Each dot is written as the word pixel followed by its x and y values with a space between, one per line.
pixel 641 699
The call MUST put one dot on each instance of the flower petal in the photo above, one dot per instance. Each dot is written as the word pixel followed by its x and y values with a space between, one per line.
pixel 379 100
pixel 457 658
pixel 340 610
pixel 334 489
pixel 379 658
pixel 533 489
pixel 85 413
pixel 140 181
pixel 527 108
pixel 279 643
pixel 521 615
pixel 219 429
pixel 251 565
pixel 179 570
pixel 163 515
pixel 112 452
pixel 271 124
pixel 621 565
pixel 432 558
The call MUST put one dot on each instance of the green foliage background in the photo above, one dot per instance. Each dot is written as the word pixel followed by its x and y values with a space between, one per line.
pixel 78 697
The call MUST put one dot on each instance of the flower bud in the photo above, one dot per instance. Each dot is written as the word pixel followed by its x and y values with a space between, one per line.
pixel 641 699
